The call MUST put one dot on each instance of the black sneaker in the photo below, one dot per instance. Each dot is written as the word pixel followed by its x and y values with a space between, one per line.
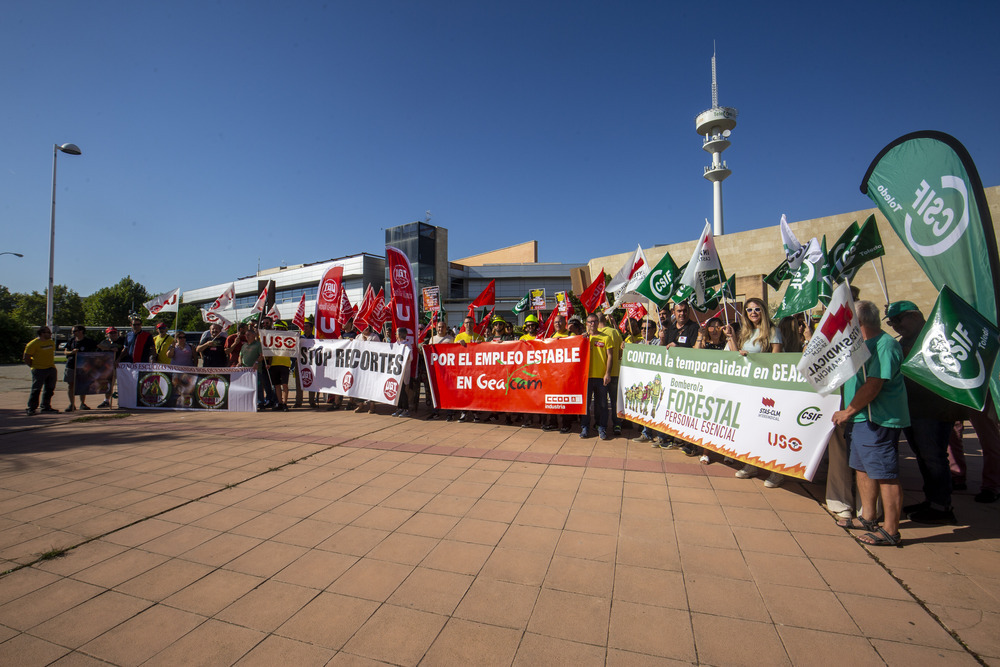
pixel 987 496
pixel 564 429
pixel 49 409
pixel 916 507
pixel 933 516
pixel 105 404
pixel 30 412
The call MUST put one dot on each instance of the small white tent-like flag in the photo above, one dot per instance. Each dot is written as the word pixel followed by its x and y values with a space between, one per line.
pixel 627 280
pixel 165 303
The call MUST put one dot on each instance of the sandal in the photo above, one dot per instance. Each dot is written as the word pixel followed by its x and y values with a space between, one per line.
pixel 882 539
pixel 862 524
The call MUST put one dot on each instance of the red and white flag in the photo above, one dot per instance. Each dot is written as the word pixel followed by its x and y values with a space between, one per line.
pixel 361 320
pixel 273 314
pixel 165 303
pixel 224 300
pixel 379 311
pixel 347 311
pixel 329 299
pixel 403 289
pixel 299 319
pixel 550 324
pixel 213 317
pixel 627 280
pixel 261 303
pixel 837 349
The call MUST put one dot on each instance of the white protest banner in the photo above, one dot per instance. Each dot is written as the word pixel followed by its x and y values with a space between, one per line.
pixel 162 387
pixel 837 350
pixel 757 408
pixel 279 343
pixel 360 369
pixel 216 317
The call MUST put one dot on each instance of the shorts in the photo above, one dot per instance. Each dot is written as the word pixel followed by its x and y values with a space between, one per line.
pixel 278 374
pixel 69 376
pixel 874 449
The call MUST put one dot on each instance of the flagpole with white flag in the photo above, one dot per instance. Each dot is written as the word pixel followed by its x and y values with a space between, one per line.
pixel 837 348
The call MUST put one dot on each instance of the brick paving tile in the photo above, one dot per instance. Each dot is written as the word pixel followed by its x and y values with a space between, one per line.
pixel 587 545
pixel 86 621
pixel 663 588
pixel 44 603
pixel 477 531
pixel 396 635
pixel 705 535
pixel 143 636
pixel 371 579
pixel 579 575
pixel 732 598
pixel 220 550
pixel 212 643
pixel 315 569
pixel 353 540
pixel 896 653
pixel 461 557
pixel 630 625
pixel 214 592
pixel 267 606
pixel 498 603
pixel 979 629
pixel 861 578
pixel 465 643
pixel 403 548
pixel 571 616
pixel 766 541
pixel 814 647
pixel 516 566
pixel 730 641
pixel 275 650
pixel 787 570
pixel 704 514
pixel 329 620
pixel 26 580
pixel 431 590
pixel 951 590
pixel 806 608
pixel 28 651
pixel 164 580
pixel 494 510
pixel 895 620
pixel 428 525
pixel 543 650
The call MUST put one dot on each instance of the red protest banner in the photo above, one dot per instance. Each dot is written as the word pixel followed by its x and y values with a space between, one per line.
pixel 328 303
pixel 536 376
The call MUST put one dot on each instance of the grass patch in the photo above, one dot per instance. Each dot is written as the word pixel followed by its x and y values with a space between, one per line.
pixel 52 553
pixel 113 415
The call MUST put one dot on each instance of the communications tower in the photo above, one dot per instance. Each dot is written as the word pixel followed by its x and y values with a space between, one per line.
pixel 715 125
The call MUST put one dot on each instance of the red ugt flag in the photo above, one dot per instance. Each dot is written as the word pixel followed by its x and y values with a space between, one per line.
pixel 403 289
pixel 328 300
pixel 300 314
pixel 486 298
pixel 593 296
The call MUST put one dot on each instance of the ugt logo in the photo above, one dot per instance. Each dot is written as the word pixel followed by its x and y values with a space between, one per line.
pixel 401 277
pixel 330 290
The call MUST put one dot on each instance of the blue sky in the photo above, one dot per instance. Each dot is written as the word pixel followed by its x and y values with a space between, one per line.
pixel 217 133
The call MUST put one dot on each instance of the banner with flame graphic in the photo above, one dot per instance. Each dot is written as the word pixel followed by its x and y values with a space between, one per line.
pixel 757 409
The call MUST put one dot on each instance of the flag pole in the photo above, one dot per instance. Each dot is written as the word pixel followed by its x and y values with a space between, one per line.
pixel 884 292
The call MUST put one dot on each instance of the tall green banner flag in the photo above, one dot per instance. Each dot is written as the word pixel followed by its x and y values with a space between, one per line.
pixel 927 186
pixel 661 282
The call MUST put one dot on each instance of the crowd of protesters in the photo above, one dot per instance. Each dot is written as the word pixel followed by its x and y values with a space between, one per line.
pixel 877 404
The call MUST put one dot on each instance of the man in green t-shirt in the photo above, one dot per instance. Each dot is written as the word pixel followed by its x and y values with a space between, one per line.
pixel 40 355
pixel 874 414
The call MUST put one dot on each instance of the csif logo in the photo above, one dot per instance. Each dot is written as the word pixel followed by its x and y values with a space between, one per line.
pixel 951 360
pixel 783 441
pixel 659 283
pixel 939 221
pixel 809 416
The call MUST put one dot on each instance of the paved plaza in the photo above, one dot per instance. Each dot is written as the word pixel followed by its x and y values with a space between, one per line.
pixel 312 537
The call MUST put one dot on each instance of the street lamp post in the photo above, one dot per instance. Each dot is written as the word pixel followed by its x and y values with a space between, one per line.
pixel 16 254
pixel 69 149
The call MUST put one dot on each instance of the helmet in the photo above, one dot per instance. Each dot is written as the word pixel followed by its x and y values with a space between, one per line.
pixel 531 318
pixel 497 319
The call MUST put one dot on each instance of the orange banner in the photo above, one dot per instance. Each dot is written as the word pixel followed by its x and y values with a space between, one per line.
pixel 537 376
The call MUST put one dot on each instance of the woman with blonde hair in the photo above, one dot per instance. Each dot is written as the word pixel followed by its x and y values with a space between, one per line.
pixel 758 334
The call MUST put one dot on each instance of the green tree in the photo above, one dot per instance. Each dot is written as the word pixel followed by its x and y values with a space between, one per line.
pixel 113 305
pixel 67 307
pixel 190 318
pixel 13 337
pixel 8 301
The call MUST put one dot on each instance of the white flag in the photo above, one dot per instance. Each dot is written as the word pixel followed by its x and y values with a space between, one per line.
pixel 261 301
pixel 274 314
pixel 795 252
pixel 704 270
pixel 165 303
pixel 628 279
pixel 837 350
pixel 226 298
pixel 215 317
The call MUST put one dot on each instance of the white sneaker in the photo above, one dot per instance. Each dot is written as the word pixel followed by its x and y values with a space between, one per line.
pixel 703 459
pixel 746 472
pixel 774 480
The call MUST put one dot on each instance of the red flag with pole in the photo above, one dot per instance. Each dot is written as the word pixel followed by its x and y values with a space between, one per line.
pixel 550 324
pixel 594 296
pixel 486 298
pixel 300 314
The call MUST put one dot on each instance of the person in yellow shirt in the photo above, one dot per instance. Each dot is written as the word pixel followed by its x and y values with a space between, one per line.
pixel 560 327
pixel 530 328
pixel 468 333
pixel 278 371
pixel 162 342
pixel 599 377
pixel 40 355
pixel 608 328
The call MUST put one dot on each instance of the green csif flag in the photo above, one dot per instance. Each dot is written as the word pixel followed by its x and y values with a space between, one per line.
pixel 809 287
pixel 855 247
pixel 780 274
pixel 522 305
pixel 661 282
pixel 928 188
pixel 954 352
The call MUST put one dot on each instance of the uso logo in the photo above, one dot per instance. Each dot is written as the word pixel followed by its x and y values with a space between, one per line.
pixel 391 389
pixel 784 442
pixel 347 381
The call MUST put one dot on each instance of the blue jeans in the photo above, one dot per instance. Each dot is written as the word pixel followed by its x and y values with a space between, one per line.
pixel 597 400
pixel 928 439
pixel 613 401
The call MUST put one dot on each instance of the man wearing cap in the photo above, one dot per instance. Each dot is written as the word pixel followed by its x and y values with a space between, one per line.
pixel 138 344
pixel 114 344
pixel 875 413
pixel 931 420
pixel 40 355
pixel 161 343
